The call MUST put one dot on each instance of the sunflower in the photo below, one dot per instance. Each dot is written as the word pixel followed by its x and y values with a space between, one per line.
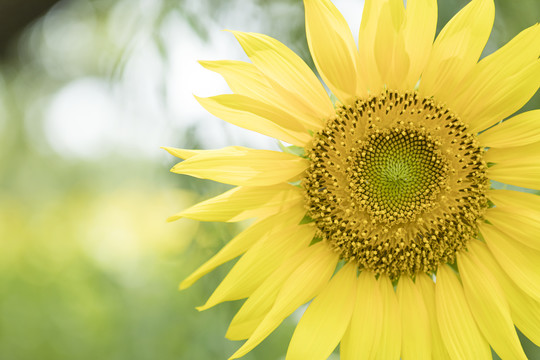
pixel 381 212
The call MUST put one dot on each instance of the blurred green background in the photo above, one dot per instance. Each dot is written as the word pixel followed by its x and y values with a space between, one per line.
pixel 89 91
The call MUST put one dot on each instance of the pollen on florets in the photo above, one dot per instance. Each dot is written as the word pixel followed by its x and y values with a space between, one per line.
pixel 396 183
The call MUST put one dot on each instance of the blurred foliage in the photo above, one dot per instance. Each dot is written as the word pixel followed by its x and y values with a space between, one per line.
pixel 88 267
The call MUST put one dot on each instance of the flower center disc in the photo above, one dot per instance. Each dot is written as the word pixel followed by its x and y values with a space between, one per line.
pixel 396 184
pixel 396 174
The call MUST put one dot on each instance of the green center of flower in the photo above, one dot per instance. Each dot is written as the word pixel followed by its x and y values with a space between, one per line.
pixel 397 173
pixel 396 184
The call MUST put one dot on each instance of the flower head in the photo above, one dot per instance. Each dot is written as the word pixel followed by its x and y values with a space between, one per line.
pixel 382 211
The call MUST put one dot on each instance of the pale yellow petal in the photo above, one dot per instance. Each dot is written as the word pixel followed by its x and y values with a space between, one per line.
pixel 519 227
pixel 525 313
pixel 519 202
pixel 502 82
pixel 505 98
pixel 258 116
pixel 522 129
pixel 415 331
pixel 243 166
pixel 427 288
pixel 390 345
pixel 332 47
pixel 522 264
pixel 261 260
pixel 390 54
pixel 363 335
pixel 289 75
pixel 306 282
pixel 456 50
pixel 243 241
pixel 525 310
pixel 510 156
pixel 367 66
pixel 521 172
pixel 419 32
pixel 459 331
pixel 182 153
pixel 323 324
pixel 250 315
pixel 489 306
pixel 241 203
pixel 245 79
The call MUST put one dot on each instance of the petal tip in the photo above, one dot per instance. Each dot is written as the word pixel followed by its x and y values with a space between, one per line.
pixel 173 218
pixel 204 307
pixel 184 285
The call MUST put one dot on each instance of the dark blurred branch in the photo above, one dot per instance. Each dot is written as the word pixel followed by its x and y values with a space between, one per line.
pixel 15 15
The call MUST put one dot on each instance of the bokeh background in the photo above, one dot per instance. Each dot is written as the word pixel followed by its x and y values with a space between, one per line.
pixel 89 91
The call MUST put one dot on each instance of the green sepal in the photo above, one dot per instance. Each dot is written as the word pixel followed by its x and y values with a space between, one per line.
pixel 315 240
pixel 292 149
pixel 306 220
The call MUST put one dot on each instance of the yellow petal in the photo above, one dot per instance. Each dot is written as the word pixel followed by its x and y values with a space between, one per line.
pixel 510 156
pixel 364 332
pixel 241 203
pixel 261 260
pixel 390 345
pixel 505 98
pixel 520 172
pixel 427 289
pixel 243 166
pixel 257 116
pixel 489 306
pixel 306 282
pixel 525 310
pixel 457 49
pixel 525 313
pixel 459 331
pixel 323 324
pixel 518 227
pixel 415 331
pixel 523 203
pixel 522 264
pixel 367 66
pixel 390 54
pixel 245 79
pixel 519 130
pixel 182 153
pixel 516 200
pixel 332 47
pixel 288 74
pixel 419 32
pixel 502 82
pixel 250 315
pixel 243 241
